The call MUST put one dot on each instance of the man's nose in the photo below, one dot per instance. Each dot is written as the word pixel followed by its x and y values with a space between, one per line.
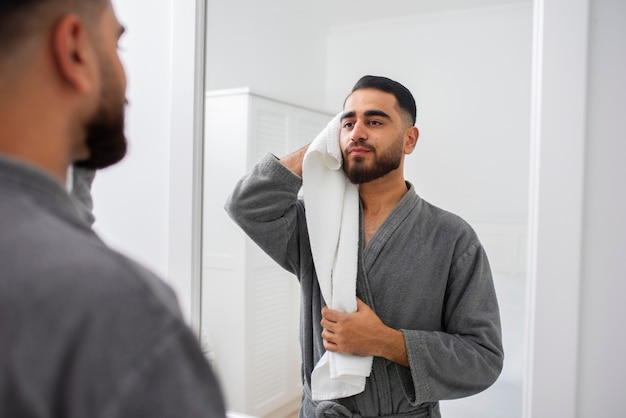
pixel 359 132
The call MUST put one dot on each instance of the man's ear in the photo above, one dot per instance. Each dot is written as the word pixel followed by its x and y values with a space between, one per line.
pixel 73 53
pixel 411 136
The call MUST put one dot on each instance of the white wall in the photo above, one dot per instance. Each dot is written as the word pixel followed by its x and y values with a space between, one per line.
pixel 469 71
pixel 602 366
pixel 576 358
pixel 131 198
pixel 271 46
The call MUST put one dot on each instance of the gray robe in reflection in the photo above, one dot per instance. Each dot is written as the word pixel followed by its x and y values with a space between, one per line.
pixel 423 272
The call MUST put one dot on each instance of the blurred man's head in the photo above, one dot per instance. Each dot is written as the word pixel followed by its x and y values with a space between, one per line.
pixel 75 44
pixel 105 139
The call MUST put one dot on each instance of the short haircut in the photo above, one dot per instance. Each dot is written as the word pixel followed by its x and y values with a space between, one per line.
pixel 403 96
pixel 20 18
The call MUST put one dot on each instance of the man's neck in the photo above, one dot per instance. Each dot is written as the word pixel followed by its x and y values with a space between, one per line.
pixel 382 195
pixel 39 138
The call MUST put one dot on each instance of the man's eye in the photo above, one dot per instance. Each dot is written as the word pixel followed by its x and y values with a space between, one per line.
pixel 348 125
pixel 375 122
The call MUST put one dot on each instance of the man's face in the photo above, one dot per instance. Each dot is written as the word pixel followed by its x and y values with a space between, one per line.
pixel 372 135
pixel 106 140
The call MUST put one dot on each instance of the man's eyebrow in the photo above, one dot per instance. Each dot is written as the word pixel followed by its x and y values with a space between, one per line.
pixel 348 115
pixel 377 113
pixel 352 114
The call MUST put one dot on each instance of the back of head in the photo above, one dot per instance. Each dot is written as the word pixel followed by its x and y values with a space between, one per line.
pixel 403 96
pixel 59 64
pixel 21 18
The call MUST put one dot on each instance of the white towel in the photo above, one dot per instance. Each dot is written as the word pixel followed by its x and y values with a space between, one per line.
pixel 332 216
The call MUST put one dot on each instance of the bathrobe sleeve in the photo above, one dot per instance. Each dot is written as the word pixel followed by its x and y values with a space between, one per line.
pixel 265 205
pixel 466 356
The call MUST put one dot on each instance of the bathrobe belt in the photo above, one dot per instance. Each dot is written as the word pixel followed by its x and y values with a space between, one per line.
pixel 330 409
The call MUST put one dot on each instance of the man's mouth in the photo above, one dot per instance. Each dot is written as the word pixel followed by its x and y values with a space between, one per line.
pixel 359 150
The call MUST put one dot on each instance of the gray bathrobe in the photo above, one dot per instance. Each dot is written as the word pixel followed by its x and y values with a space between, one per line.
pixel 424 272
pixel 84 330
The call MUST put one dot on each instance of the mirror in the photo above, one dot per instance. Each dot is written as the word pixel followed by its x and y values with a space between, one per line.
pixel 275 73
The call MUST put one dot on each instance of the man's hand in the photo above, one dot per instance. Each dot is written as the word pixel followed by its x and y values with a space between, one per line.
pixel 362 333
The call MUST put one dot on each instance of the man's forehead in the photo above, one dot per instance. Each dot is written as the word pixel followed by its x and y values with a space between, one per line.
pixel 369 99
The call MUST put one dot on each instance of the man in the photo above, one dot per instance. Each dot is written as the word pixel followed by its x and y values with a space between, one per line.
pixel 426 305
pixel 84 331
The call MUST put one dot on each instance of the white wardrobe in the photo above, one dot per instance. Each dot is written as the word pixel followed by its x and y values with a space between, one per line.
pixel 250 305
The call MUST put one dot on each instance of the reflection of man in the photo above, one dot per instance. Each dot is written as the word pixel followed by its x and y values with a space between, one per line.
pixel 426 307
pixel 84 331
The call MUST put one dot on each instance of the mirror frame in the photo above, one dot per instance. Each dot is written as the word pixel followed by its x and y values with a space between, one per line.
pixel 556 191
pixel 186 150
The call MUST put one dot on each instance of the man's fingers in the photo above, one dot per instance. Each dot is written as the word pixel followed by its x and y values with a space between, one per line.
pixel 330 346
pixel 327 339
pixel 327 324
pixel 330 315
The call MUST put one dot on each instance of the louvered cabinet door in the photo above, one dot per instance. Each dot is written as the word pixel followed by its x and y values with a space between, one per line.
pixel 250 305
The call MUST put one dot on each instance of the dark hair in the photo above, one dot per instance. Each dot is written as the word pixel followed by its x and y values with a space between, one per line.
pixel 403 96
pixel 18 18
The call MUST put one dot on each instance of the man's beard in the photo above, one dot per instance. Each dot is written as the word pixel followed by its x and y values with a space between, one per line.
pixel 105 138
pixel 358 172
pixel 105 141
